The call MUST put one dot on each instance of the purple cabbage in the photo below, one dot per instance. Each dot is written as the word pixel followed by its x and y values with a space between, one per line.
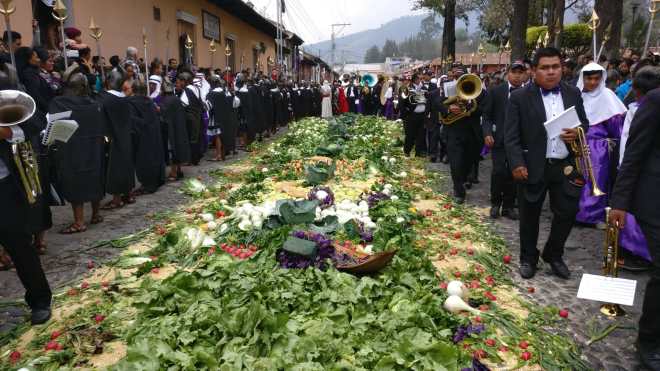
pixel 464 331
pixel 329 199
pixel 294 261
pixel 374 198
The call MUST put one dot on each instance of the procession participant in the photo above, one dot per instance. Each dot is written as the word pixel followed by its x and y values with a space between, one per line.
pixel 605 113
pixel 16 42
pixel 296 101
pixel 190 96
pixel 131 60
pixel 223 109
pixel 366 105
pixel 214 129
pixel 353 96
pixel 434 125
pixel 635 192
pixel 415 113
pixel 326 104
pixel 342 102
pixel 464 140
pixel 502 189
pixel 376 104
pixel 120 174
pixel 635 248
pixel 544 165
pixel 173 119
pixel 15 229
pixel 149 157
pixel 388 95
pixel 79 162
pixel 317 100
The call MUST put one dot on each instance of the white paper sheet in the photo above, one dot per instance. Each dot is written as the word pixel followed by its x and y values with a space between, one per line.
pixel 50 117
pixel 61 130
pixel 607 289
pixel 449 88
pixel 566 120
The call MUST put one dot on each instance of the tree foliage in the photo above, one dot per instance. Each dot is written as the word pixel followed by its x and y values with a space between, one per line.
pixel 390 49
pixel 373 55
pixel 575 40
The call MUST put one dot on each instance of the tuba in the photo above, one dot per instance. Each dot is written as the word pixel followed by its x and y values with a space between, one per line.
pixel 17 107
pixel 468 88
pixel 369 80
pixel 583 164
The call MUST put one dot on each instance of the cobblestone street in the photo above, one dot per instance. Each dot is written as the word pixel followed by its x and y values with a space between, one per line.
pixel 583 255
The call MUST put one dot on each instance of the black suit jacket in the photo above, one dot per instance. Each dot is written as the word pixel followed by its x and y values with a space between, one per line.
pixel 525 138
pixel 494 112
pixel 636 187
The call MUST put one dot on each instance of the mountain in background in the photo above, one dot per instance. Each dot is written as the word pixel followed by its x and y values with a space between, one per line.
pixel 351 48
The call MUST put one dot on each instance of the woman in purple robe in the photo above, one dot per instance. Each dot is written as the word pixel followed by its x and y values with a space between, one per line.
pixel 606 114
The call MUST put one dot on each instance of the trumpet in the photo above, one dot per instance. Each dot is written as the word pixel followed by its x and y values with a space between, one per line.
pixel 580 148
pixel 611 262
pixel 468 88
pixel 17 107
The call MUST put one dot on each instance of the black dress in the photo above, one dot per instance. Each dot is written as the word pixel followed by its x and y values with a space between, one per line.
pixel 148 150
pixel 173 117
pixel 120 179
pixel 225 116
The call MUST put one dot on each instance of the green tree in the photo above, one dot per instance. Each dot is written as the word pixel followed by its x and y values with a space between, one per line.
pixel 390 49
pixel 575 40
pixel 373 55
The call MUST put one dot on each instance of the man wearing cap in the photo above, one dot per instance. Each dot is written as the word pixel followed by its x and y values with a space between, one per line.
pixel 502 189
pixel 544 165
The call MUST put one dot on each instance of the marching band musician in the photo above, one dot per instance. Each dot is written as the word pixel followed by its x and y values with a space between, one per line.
pixel 635 192
pixel 15 233
pixel 502 189
pixel 414 112
pixel 464 140
pixel 544 165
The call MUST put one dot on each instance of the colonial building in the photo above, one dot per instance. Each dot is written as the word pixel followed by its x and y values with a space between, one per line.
pixel 243 38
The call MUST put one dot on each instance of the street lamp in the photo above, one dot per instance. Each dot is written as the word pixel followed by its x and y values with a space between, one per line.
pixel 594 22
pixel 188 45
pixel 228 53
pixel 7 11
pixel 507 49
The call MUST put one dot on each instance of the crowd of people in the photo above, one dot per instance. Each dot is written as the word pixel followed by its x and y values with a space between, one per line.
pixel 133 126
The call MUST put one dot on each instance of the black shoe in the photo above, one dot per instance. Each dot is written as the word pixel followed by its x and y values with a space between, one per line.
pixel 510 213
pixel 495 212
pixel 459 200
pixel 445 160
pixel 633 263
pixel 467 185
pixel 649 355
pixel 527 270
pixel 434 159
pixel 40 316
pixel 560 269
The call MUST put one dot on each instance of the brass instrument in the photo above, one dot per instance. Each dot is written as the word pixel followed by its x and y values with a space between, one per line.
pixel 369 80
pixel 611 262
pixel 468 88
pixel 580 148
pixel 17 107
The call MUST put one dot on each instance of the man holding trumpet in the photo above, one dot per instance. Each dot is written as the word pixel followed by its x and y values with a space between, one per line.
pixel 543 165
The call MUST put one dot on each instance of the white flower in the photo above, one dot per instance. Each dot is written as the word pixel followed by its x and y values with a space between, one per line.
pixel 403 174
pixel 369 249
pixel 264 170
pixel 208 241
pixel 400 219
pixel 211 225
pixel 392 160
pixel 384 158
pixel 207 217
pixel 387 191
pixel 223 228
pixel 388 185
pixel 244 225
pixel 394 197
pixel 321 195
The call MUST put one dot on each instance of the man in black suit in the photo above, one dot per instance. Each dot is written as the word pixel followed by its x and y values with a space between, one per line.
pixel 464 140
pixel 502 189
pixel 544 165
pixel 636 191
pixel 15 228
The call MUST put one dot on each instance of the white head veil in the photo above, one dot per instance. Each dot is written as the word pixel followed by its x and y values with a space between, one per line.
pixel 155 79
pixel 601 103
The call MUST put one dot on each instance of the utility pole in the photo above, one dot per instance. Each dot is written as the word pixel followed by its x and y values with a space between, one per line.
pixel 334 46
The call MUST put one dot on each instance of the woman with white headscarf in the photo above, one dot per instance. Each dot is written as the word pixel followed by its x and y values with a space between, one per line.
pixel 326 101
pixel 606 114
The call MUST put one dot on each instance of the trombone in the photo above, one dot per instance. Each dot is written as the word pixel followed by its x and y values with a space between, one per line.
pixel 580 148
pixel 468 88
pixel 611 262
pixel 17 107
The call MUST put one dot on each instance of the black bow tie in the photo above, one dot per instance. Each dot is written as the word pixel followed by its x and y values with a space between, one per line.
pixel 512 88
pixel 554 90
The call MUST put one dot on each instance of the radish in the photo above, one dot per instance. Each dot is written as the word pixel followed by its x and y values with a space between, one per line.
pixel 52 345
pixel 523 344
pixel 55 334
pixel 14 357
pixel 563 313
pixel 490 342
pixel 526 356
pixel 99 318
pixel 506 259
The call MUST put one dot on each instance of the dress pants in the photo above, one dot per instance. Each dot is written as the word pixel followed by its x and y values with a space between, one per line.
pixel 502 189
pixel 16 238
pixel 433 139
pixel 461 145
pixel 649 323
pixel 413 127
pixel 564 204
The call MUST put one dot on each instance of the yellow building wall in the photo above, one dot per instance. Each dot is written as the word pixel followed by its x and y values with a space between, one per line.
pixel 122 22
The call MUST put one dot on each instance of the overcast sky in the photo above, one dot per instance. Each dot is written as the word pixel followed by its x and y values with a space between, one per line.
pixel 311 19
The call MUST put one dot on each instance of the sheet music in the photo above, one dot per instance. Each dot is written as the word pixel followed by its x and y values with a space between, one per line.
pixel 449 88
pixel 58 116
pixel 607 289
pixel 566 120
pixel 61 130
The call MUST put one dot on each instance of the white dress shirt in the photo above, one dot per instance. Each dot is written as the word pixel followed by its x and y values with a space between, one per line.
pixel 554 106
pixel 17 136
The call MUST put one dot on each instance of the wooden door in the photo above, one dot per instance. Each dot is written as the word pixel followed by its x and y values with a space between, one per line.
pixel 186 29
